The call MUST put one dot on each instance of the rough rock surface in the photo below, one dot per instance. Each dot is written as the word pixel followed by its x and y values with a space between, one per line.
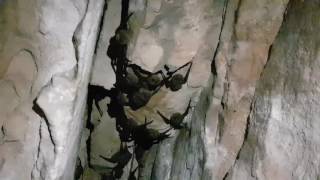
pixel 46 50
pixel 236 131
pixel 283 136
pixel 249 30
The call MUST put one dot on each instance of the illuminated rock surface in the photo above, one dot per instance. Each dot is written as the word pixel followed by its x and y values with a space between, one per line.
pixel 253 86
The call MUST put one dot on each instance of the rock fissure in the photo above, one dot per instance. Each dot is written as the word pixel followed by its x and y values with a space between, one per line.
pixel 37 109
pixel 223 19
pixel 101 23
pixel 236 15
pixel 35 165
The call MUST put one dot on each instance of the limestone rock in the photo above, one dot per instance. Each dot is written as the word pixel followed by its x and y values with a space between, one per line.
pixel 36 49
pixel 241 55
pixel 283 137
pixel 253 87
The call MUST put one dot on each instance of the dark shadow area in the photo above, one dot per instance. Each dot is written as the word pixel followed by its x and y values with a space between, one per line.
pixel 134 87
pixel 37 109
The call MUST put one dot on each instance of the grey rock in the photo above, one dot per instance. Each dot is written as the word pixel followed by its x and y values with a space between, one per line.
pixel 36 49
pixel 253 85
pixel 283 140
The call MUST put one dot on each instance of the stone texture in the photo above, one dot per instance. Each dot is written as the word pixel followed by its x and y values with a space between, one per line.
pixel 283 140
pixel 46 50
pixel 235 130
pixel 249 30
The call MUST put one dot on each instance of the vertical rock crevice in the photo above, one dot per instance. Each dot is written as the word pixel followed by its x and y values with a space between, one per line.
pixel 230 61
pixel 276 144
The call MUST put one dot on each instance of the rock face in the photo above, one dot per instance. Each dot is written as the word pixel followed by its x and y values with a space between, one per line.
pixel 249 30
pixel 283 137
pixel 46 50
pixel 253 87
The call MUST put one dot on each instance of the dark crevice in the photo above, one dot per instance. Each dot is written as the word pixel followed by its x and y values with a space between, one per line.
pixel 214 68
pixel 101 24
pixel 2 134
pixel 76 42
pixel 221 124
pixel 133 88
pixel 223 17
pixel 247 124
pixel 288 6
pixel 236 14
pixel 38 152
pixel 235 22
pixel 78 170
pixel 124 13
pixel 270 50
pixel 265 65
pixel 225 176
pixel 37 109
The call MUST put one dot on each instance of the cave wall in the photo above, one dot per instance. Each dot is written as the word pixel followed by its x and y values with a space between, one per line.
pixel 283 137
pixel 253 86
pixel 229 43
pixel 46 51
pixel 250 28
